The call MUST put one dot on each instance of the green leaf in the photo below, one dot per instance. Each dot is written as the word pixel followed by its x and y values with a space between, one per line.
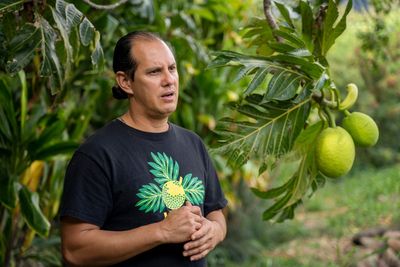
pixel 10 5
pixel 312 69
pixel 50 62
pixel 290 37
pixel 59 148
pixel 8 190
pixel 259 77
pixel 151 199
pixel 73 16
pixel 47 136
pixel 274 192
pixel 32 213
pixel 330 33
pixel 64 30
pixel 308 136
pixel 97 54
pixel 86 31
pixel 285 13
pixel 307 21
pixel 275 208
pixel 22 48
pixel 274 132
pixel 283 86
pixel 194 189
pixel 8 125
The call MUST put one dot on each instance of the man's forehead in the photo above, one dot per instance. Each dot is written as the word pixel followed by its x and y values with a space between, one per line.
pixel 152 51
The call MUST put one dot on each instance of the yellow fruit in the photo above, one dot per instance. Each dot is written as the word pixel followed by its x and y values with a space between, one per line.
pixel 351 97
pixel 173 195
pixel 362 129
pixel 335 152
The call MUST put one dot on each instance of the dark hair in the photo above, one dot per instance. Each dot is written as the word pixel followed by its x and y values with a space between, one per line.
pixel 123 59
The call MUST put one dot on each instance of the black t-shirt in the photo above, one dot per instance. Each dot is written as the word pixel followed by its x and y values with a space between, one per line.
pixel 122 178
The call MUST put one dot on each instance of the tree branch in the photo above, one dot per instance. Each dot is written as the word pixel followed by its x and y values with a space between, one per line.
pixel 105 7
pixel 270 19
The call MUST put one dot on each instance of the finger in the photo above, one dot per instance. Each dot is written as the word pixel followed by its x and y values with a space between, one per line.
pixel 200 233
pixel 196 243
pixel 199 256
pixel 196 210
pixel 188 204
pixel 197 251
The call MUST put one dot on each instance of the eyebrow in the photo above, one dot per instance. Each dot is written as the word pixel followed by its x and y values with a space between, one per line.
pixel 159 67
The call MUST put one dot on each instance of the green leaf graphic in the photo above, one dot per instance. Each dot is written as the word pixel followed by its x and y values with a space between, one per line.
pixel 194 189
pixel 151 198
pixel 163 168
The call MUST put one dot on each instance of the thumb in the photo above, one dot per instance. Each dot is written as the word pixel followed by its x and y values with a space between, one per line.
pixel 188 204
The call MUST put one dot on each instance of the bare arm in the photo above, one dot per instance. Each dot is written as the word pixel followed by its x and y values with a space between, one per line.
pixel 204 240
pixel 85 244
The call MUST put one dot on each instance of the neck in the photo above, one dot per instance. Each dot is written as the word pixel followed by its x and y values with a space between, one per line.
pixel 145 124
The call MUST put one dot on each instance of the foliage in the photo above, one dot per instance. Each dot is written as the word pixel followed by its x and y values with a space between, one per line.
pixel 63 95
pixel 41 43
pixel 379 68
pixel 319 234
pixel 290 77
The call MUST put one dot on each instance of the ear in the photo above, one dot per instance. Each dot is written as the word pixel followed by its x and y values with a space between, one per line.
pixel 124 82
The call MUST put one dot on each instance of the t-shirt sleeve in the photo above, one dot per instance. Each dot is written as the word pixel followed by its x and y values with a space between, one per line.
pixel 87 193
pixel 214 196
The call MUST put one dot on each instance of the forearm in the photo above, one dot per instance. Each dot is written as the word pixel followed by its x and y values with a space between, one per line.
pixel 95 247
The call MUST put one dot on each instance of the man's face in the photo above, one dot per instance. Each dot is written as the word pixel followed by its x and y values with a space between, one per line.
pixel 156 82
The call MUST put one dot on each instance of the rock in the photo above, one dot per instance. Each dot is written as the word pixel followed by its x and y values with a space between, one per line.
pixel 390 258
pixel 394 244
pixel 392 234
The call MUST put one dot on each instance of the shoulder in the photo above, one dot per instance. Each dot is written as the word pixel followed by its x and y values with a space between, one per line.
pixel 103 139
pixel 190 139
pixel 182 132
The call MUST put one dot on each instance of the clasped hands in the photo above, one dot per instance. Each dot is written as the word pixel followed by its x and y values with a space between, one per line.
pixel 188 225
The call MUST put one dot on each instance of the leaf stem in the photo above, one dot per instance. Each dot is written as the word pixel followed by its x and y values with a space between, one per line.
pixel 270 19
pixel 331 117
pixel 105 7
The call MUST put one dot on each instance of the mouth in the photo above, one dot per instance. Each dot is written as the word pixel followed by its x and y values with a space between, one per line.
pixel 168 94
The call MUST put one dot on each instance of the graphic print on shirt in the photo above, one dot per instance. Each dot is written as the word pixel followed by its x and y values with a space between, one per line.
pixel 170 190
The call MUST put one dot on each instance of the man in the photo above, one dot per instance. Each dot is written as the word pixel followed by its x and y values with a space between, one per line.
pixel 142 191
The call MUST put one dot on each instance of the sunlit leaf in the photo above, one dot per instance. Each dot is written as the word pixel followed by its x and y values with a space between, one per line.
pixel 330 33
pixel 50 62
pixel 274 132
pixel 63 28
pixel 86 31
pixel 97 54
pixel 285 13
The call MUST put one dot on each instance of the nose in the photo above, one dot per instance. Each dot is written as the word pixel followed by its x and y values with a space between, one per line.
pixel 169 78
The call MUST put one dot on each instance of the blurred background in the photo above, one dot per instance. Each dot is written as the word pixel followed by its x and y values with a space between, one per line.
pixel 55 90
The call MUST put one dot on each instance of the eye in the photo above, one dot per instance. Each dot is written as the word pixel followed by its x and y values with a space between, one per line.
pixel 155 71
pixel 172 67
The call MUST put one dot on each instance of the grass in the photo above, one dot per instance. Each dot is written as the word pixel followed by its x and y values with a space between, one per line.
pixel 325 224
pixel 344 207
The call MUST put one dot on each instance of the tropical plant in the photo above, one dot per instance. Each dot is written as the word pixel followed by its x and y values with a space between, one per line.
pixel 40 48
pixel 290 86
pixel 55 48
pixel 378 61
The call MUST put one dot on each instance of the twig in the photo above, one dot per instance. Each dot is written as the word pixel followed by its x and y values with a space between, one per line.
pixel 105 7
pixel 270 18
